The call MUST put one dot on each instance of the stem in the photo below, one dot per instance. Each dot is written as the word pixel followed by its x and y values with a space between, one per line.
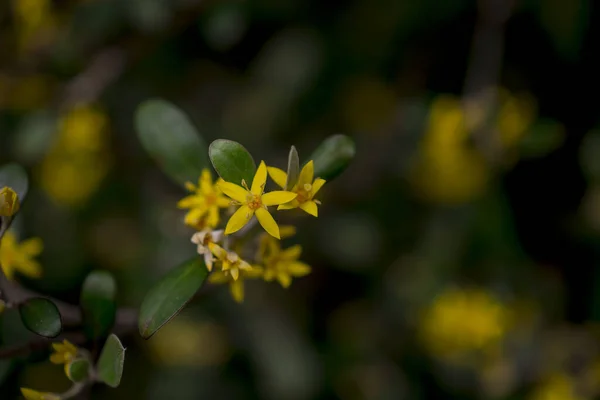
pixel 75 390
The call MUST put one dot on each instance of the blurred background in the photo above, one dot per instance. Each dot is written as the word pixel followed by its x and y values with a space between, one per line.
pixel 457 257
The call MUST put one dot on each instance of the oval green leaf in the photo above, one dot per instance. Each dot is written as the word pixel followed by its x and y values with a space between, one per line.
pixel 15 177
pixel 232 161
pixel 110 363
pixel 293 169
pixel 168 297
pixel 333 156
pixel 170 138
pixel 98 304
pixel 41 317
pixel 78 370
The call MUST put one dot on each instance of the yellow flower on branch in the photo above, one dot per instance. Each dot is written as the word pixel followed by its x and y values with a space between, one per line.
pixel 236 286
pixel 306 188
pixel 64 353
pixel 9 202
pixel 282 264
pixel 231 263
pixel 19 257
pixel 35 395
pixel 204 203
pixel 254 201
pixel 203 240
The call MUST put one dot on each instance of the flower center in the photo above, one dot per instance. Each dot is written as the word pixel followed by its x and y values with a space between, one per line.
pixel 210 199
pixel 253 201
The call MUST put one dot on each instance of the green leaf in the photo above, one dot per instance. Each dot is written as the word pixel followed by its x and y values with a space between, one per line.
pixel 15 177
pixel 98 304
pixel 78 370
pixel 168 297
pixel 41 317
pixel 293 169
pixel 110 364
pixel 232 161
pixel 333 156
pixel 169 137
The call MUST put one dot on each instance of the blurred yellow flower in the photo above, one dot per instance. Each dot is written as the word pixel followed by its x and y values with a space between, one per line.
pixel 205 202
pixel 34 395
pixel 9 202
pixel 34 22
pixel 76 165
pixel 64 353
pixel 236 286
pixel 516 113
pixel 306 188
pixel 461 321
pixel 254 201
pixel 231 263
pixel 556 387
pixel 282 264
pixel 19 257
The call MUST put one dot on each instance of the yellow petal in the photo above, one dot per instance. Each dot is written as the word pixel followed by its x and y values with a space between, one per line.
pixel 32 247
pixel 237 290
pixel 299 269
pixel 31 394
pixel 190 187
pixel 288 206
pixel 278 176
pixel 213 217
pixel 57 358
pixel 235 273
pixel 284 279
pixel 206 185
pixel 217 250
pixel 260 179
pixel 277 197
pixel 190 202
pixel 218 277
pixel 287 231
pixel 267 222
pixel 317 185
pixel 30 268
pixel 307 174
pixel 292 253
pixel 234 191
pixel 70 347
pixel 269 275
pixel 239 219
pixel 310 207
pixel 223 202
pixel 256 272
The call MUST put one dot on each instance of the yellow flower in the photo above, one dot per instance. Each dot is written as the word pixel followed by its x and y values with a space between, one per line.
pixel 203 240
pixel 204 203
pixel 9 202
pixel 34 395
pixel 19 257
pixel 253 201
pixel 557 387
pixel 236 286
pixel 460 321
pixel 231 263
pixel 64 353
pixel 282 264
pixel 305 188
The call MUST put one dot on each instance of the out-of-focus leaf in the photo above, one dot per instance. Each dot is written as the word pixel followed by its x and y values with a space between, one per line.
pixel 168 297
pixel 15 177
pixel 544 137
pixel 110 364
pixel 34 136
pixel 169 137
pixel 41 316
pixel 333 156
pixel 78 370
pixel 98 304
pixel 293 169
pixel 232 161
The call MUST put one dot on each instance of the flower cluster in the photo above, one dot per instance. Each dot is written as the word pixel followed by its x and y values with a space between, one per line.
pixel 218 248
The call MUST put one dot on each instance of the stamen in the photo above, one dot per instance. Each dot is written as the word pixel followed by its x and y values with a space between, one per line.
pixel 245 185
pixel 317 201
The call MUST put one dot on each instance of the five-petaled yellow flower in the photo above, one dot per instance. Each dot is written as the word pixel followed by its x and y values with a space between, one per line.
pixel 253 201
pixel 282 264
pixel 9 202
pixel 203 240
pixel 64 353
pixel 19 257
pixel 231 263
pixel 204 203
pixel 306 188
pixel 236 286
pixel 35 395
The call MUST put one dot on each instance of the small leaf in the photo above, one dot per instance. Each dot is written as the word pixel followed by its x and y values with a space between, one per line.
pixel 15 177
pixel 169 137
pixel 110 364
pixel 98 304
pixel 41 317
pixel 333 156
pixel 232 161
pixel 78 370
pixel 166 299
pixel 293 169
